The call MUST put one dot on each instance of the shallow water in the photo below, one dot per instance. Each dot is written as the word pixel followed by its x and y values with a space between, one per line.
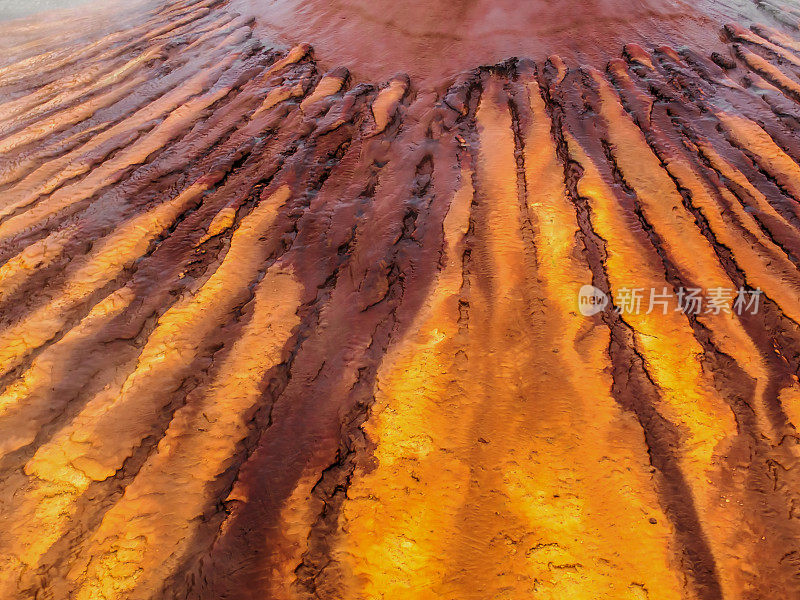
pixel 13 9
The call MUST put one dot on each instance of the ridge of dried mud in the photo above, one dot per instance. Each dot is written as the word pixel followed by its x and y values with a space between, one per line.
pixel 269 330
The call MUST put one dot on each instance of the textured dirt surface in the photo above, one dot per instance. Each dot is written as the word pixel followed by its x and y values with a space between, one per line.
pixel 273 329
pixel 436 40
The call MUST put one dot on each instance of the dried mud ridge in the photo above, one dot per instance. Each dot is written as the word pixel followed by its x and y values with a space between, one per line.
pixel 266 332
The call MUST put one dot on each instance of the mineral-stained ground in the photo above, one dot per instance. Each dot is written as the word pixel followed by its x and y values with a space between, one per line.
pixel 275 329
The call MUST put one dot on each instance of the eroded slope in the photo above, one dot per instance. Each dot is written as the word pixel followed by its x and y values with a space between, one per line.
pixel 267 331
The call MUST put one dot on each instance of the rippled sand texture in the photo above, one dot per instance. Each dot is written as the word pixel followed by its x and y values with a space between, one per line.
pixel 269 332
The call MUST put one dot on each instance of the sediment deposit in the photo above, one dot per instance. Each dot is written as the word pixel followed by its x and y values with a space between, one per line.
pixel 269 329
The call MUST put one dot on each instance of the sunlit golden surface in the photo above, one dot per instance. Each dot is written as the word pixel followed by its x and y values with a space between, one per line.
pixel 269 330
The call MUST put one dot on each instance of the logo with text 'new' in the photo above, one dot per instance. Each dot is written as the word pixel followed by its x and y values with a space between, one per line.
pixel 686 300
